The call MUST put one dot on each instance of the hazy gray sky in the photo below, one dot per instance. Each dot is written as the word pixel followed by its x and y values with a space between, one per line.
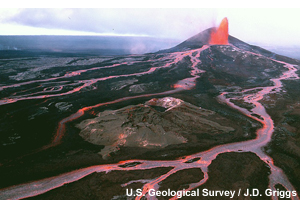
pixel 268 26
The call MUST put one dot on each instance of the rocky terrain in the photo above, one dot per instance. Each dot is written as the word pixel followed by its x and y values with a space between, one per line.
pixel 156 124
pixel 218 116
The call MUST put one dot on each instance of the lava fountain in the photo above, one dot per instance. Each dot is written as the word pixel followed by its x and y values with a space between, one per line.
pixel 202 159
pixel 220 35
pixel 276 177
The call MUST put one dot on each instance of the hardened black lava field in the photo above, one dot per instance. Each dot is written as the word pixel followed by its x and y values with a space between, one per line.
pixel 196 116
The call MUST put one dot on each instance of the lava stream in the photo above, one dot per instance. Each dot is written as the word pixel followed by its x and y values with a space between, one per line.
pixel 185 84
pixel 84 83
pixel 263 137
pixel 45 185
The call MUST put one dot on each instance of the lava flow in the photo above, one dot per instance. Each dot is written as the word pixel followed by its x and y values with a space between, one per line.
pixel 185 84
pixel 263 137
pixel 220 35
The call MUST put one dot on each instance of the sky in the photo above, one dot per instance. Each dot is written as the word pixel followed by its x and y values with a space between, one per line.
pixel 277 26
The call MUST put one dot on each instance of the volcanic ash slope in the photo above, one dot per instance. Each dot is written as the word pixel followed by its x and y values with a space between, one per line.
pixel 155 124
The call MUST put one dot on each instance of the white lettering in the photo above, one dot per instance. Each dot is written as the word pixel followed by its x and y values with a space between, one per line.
pixel 151 192
pixel 216 193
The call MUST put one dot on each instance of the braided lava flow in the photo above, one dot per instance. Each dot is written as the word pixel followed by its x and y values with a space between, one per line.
pixel 264 134
pixel 185 84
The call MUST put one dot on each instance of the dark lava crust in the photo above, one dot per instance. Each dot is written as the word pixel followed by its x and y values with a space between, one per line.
pixel 28 125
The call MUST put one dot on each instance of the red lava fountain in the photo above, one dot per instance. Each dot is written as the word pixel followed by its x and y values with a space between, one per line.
pixel 220 35
pixel 201 160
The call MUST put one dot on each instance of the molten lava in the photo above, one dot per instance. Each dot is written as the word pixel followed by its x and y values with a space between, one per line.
pixel 220 35
pixel 201 160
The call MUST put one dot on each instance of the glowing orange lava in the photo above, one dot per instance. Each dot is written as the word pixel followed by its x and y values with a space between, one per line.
pixel 200 160
pixel 220 35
